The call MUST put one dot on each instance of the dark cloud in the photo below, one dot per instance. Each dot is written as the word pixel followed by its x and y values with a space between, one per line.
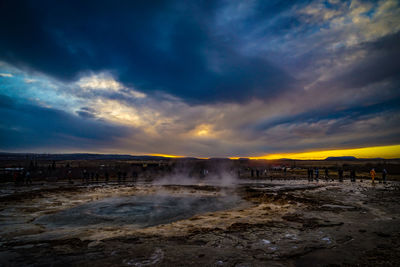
pixel 171 47
pixel 28 126
pixel 86 112
pixel 331 113
pixel 382 61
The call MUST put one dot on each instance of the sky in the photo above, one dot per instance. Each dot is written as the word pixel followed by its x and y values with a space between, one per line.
pixel 200 78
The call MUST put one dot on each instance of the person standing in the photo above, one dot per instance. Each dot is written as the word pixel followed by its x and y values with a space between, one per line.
pixel 373 174
pixel 119 174
pixel 69 176
pixel 87 179
pixel 28 179
pixel 84 174
pixel 134 177
pixel 340 173
pixel 316 174
pixel 353 175
pixel 326 174
pixel 106 176
pixel 15 176
pixel 384 173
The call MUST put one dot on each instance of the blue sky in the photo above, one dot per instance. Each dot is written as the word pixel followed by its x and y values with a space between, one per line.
pixel 199 78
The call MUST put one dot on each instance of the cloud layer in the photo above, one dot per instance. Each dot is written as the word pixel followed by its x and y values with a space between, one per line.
pixel 230 78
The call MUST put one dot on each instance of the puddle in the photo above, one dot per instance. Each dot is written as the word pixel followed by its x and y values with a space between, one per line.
pixel 138 211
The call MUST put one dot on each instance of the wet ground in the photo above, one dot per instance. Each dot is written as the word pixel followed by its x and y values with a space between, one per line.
pixel 280 223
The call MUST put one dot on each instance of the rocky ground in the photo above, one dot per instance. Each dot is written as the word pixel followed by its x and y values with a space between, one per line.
pixel 280 223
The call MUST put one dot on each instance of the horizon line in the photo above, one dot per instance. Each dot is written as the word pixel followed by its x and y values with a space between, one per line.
pixel 384 152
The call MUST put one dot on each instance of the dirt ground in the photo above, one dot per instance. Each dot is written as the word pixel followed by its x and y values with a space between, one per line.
pixel 279 223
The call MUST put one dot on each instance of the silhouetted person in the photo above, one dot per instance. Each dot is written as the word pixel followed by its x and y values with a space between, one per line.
pixel 69 176
pixel 326 174
pixel 308 175
pixel 340 174
pixel 312 174
pixel 353 175
pixel 84 175
pixel 316 174
pixel 119 174
pixel 257 173
pixel 31 166
pixel 384 174
pixel 106 176
pixel 20 177
pixel 28 179
pixel 284 171
pixel 134 176
pixel 15 176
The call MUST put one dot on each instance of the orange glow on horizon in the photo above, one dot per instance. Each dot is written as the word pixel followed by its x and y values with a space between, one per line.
pixel 166 156
pixel 386 152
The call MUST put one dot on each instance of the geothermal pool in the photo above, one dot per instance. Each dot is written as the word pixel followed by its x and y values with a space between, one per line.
pixel 253 224
pixel 138 211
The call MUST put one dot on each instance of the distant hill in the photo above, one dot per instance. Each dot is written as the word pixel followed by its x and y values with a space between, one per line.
pixel 75 156
pixel 342 158
pixel 219 159
pixel 373 159
pixel 89 156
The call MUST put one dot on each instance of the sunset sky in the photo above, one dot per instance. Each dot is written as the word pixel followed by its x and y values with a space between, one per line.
pixel 201 78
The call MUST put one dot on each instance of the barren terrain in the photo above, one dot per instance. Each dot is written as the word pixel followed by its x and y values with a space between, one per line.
pixel 279 223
